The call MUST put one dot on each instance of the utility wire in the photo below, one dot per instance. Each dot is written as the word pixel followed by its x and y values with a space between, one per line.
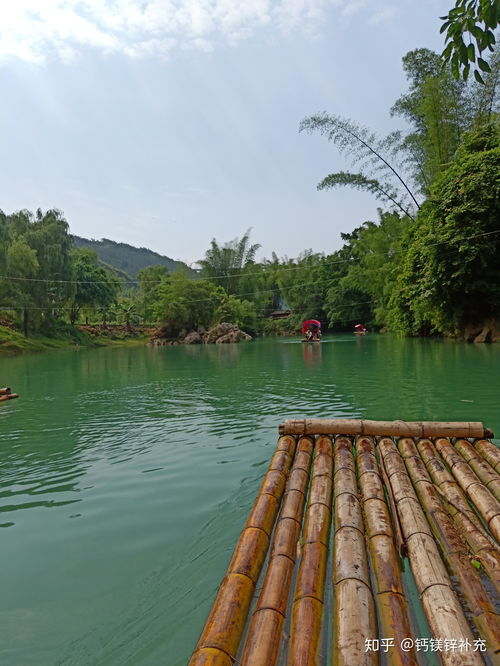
pixel 242 274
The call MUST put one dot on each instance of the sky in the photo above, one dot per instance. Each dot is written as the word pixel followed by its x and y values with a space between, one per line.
pixel 167 123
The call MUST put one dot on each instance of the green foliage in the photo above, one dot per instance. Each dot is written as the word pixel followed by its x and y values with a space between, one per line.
pixel 385 192
pixel 436 108
pixel 450 277
pixel 303 284
pixel 187 304
pixel 469 28
pixel 35 255
pixel 239 312
pixel 282 327
pixel 95 286
pixel 227 265
pixel 363 147
pixel 150 280
pixel 363 292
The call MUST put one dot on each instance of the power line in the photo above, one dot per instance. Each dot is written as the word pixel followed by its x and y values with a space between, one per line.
pixel 242 274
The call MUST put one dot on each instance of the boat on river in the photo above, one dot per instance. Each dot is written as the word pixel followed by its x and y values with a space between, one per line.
pixel 426 493
pixel 6 394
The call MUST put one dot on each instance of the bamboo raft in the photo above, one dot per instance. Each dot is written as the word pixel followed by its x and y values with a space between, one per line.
pixel 369 542
pixel 6 394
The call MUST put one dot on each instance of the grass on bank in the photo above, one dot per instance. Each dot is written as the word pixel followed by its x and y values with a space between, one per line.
pixel 13 342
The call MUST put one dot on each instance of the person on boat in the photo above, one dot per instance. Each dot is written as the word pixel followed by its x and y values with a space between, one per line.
pixel 314 333
pixel 360 329
pixel 311 328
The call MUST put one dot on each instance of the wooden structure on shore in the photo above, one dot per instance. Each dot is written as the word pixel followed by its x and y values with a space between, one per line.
pixel 369 542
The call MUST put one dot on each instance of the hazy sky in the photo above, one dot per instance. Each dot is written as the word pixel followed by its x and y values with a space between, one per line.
pixel 166 123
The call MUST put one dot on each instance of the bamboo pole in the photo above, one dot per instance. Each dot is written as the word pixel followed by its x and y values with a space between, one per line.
pixel 8 396
pixel 223 629
pixel 484 471
pixel 355 619
pixel 440 604
pixel 485 503
pixel 390 597
pixel 453 549
pixel 386 428
pixel 307 610
pixel 489 452
pixel 482 546
pixel 398 533
pixel 262 644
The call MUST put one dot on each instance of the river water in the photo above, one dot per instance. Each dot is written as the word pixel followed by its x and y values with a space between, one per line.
pixel 126 475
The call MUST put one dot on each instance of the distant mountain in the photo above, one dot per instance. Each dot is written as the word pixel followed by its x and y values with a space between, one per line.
pixel 127 259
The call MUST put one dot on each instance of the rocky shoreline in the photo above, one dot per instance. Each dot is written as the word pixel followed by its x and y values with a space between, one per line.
pixel 224 333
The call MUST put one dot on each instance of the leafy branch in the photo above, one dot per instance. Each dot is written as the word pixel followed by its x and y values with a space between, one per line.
pixel 360 182
pixel 361 146
pixel 475 20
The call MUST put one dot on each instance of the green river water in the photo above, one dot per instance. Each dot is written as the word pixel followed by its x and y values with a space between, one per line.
pixel 126 475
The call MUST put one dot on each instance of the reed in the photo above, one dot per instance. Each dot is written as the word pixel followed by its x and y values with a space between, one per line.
pixel 263 641
pixel 387 428
pixel 386 565
pixel 355 619
pixel 224 627
pixel 453 549
pixel 307 610
pixel 441 606
pixel 486 504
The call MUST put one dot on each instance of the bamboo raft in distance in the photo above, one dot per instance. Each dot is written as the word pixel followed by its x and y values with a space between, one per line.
pixel 6 394
pixel 317 573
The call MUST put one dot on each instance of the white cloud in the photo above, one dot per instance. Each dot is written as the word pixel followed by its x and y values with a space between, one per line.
pixel 38 30
pixel 385 15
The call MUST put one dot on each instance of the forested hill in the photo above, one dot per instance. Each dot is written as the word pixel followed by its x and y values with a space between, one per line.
pixel 128 258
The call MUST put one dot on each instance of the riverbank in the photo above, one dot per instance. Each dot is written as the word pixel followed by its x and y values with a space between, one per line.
pixel 13 342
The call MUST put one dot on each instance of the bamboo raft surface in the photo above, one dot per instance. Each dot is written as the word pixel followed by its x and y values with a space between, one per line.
pixel 351 515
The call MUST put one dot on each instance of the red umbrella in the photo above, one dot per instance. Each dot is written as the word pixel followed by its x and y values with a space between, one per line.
pixel 308 323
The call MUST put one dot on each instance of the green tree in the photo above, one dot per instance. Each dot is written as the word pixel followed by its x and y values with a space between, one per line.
pixel 435 106
pixel 95 286
pixel 22 266
pixel 228 265
pixel 364 291
pixel 185 304
pixel 150 281
pixel 450 278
